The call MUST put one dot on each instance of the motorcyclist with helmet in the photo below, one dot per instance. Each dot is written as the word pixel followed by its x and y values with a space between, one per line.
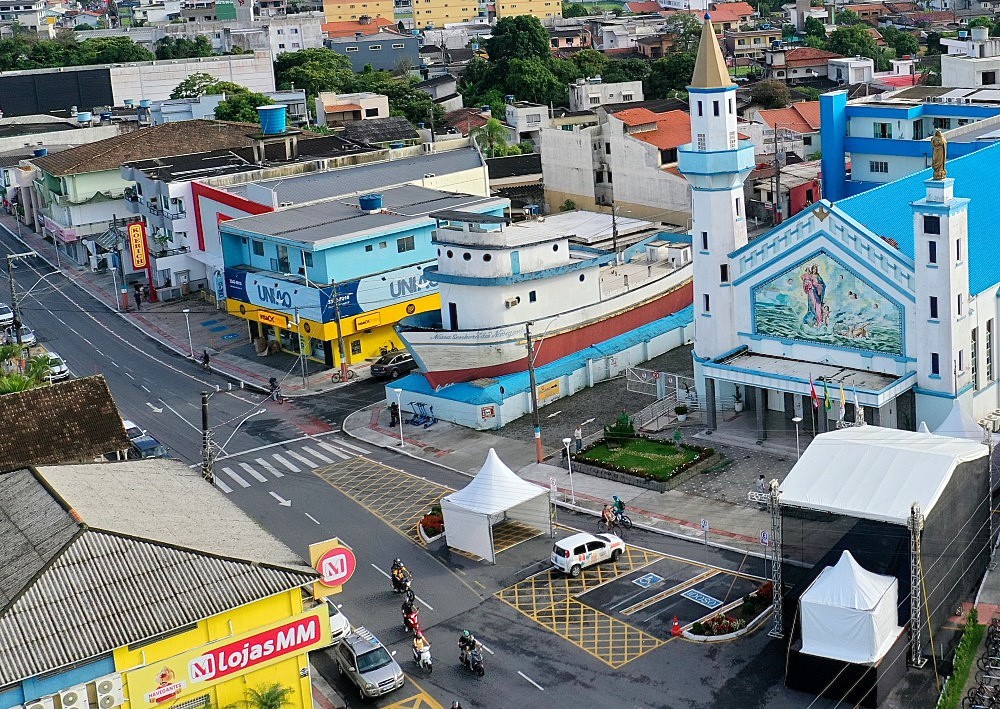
pixel 466 643
pixel 400 575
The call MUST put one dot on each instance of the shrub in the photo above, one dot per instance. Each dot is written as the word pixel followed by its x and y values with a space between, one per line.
pixel 681 409
pixel 621 430
pixel 965 655
pixel 723 624
pixel 433 523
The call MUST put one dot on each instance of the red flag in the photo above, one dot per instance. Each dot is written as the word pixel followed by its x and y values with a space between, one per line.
pixel 813 394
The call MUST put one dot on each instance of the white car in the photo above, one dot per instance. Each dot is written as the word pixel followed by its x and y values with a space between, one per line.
pixel 573 554
pixel 6 315
pixel 27 336
pixel 340 626
pixel 131 430
pixel 58 369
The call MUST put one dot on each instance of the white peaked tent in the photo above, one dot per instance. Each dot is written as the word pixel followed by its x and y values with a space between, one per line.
pixel 960 424
pixel 496 494
pixel 849 613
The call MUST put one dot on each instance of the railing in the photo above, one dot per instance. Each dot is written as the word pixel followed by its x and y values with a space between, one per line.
pixel 163 253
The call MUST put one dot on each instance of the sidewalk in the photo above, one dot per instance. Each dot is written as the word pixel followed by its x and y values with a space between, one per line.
pixel 225 337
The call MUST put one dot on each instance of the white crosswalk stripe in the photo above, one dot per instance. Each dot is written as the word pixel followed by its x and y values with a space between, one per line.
pixel 222 486
pixel 302 458
pixel 316 454
pixel 269 468
pixel 353 447
pixel 236 478
pixel 291 466
pixel 257 476
pixel 336 451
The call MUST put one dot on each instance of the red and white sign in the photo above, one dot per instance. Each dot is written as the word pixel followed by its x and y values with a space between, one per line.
pixel 337 566
pixel 256 649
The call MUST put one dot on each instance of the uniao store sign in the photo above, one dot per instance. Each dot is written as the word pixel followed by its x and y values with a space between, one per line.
pixel 272 293
pixel 374 292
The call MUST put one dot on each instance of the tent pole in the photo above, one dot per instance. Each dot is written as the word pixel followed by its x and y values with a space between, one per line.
pixel 916 525
pixel 777 589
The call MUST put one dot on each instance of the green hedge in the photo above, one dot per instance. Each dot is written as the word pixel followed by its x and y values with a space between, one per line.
pixel 965 656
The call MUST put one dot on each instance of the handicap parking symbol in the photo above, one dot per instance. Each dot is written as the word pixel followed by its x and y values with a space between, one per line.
pixel 647 580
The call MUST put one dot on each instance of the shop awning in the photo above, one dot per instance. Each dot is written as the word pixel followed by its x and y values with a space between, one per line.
pixel 110 239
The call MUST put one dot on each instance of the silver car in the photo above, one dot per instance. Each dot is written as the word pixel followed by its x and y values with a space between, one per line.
pixel 58 369
pixel 27 336
pixel 366 662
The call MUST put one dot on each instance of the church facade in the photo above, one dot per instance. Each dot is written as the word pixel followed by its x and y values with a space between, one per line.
pixel 887 299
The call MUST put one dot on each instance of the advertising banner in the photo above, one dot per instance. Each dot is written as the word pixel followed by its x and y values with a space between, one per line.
pixel 378 291
pixel 137 245
pixel 160 682
pixel 335 561
pixel 271 293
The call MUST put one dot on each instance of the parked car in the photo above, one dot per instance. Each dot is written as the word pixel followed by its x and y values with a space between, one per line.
pixel 27 336
pixel 340 626
pixel 575 553
pixel 146 446
pixel 58 369
pixel 6 315
pixel 393 365
pixel 132 430
pixel 365 661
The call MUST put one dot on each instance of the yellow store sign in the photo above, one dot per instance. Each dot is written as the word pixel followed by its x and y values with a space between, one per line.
pixel 548 390
pixel 275 319
pixel 160 683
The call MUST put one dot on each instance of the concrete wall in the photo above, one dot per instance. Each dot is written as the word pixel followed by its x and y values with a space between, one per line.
pixel 567 166
pixel 640 181
pixel 155 80
pixel 966 72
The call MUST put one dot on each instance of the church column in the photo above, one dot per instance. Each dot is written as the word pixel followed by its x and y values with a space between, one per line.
pixel 710 413
pixel 760 408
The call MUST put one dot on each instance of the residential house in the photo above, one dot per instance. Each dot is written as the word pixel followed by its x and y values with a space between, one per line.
pixel 851 70
pixel 971 62
pixel 795 129
pixel 466 120
pixel 730 16
pixel 524 120
pixel 385 51
pixel 27 13
pixel 587 94
pixel 643 7
pixel 365 26
pixel 336 110
pixel 870 12
pixel 203 107
pixel 394 132
pixel 795 65
pixel 750 44
pixel 443 89
pixel 797 187
pixel 569 38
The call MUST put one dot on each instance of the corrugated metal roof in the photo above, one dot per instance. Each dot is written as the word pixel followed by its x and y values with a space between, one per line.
pixel 886 212
pixel 83 581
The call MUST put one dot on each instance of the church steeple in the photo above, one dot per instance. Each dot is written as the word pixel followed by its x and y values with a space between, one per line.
pixel 710 71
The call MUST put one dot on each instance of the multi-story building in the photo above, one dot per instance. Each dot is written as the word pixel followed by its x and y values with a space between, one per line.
pixel 794 65
pixel 27 13
pixel 385 51
pixel 569 38
pixel 525 119
pixel 542 9
pixel 750 44
pixel 340 109
pixel 587 94
pixel 347 268
pixel 355 10
pixel 972 62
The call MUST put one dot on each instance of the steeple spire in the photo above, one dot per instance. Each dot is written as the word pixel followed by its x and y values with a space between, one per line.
pixel 710 71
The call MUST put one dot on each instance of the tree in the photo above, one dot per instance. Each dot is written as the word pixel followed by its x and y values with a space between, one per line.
pixel 197 84
pixel 325 57
pixel 113 50
pixel 575 10
pixel 815 27
pixel 686 30
pixel 531 80
pixel 83 27
pixel 228 88
pixel 183 48
pixel 242 107
pixel 847 17
pixel 902 42
pixel 933 43
pixel 590 62
pixel 270 696
pixel 490 136
pixel 565 70
pixel 770 94
pixel 314 77
pixel 626 70
pixel 671 73
pixel 519 37
pixel 854 41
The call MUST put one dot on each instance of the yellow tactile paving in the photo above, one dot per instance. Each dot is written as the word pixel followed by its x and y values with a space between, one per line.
pixel 549 598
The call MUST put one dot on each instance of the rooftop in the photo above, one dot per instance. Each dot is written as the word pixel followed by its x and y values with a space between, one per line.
pixel 350 29
pixel 380 130
pixel 197 556
pixel 673 129
pixel 643 7
pixel 730 11
pixel 465 119
pixel 435 81
pixel 802 117
pixel 382 34
pixel 341 219
pixel 514 166
pixel 808 56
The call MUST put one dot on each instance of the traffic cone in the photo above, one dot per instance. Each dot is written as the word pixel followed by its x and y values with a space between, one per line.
pixel 676 629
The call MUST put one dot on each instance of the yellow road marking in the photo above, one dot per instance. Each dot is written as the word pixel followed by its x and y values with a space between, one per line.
pixel 416 701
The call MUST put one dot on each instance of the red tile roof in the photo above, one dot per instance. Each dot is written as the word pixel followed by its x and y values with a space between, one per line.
pixel 637 116
pixel 807 56
pixel 673 129
pixel 465 120
pixel 898 81
pixel 341 107
pixel 730 11
pixel 799 117
pixel 349 29
pixel 643 8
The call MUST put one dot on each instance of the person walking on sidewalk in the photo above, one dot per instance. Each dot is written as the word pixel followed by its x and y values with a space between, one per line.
pixel 138 296
pixel 578 437
pixel 762 489
pixel 393 414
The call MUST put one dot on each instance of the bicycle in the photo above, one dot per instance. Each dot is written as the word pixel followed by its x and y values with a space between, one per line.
pixel 338 376
pixel 614 527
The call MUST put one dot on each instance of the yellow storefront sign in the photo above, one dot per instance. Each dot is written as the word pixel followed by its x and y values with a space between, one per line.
pixel 275 319
pixel 162 682
pixel 368 321
pixel 548 390
pixel 335 562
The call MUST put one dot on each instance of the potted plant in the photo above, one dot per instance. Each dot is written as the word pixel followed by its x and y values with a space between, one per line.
pixel 737 400
pixel 682 412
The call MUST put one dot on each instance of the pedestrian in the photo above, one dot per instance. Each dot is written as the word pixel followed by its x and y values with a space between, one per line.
pixel 761 485
pixel 578 437
pixel 138 296
pixel 275 390
pixel 393 414
pixel 206 361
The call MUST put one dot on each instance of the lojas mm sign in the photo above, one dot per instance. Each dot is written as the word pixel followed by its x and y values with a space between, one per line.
pixel 244 654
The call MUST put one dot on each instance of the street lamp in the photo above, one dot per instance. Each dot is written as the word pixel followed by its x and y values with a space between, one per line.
pixel 532 354
pixel 797 420
pixel 187 319
pixel 569 465
pixel 399 413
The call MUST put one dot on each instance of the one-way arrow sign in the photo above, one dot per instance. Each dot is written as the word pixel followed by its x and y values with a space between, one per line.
pixel 154 408
pixel 281 501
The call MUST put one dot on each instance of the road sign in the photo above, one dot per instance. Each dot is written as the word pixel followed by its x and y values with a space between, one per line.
pixel 647 580
pixel 702 599
pixel 704 525
pixel 765 538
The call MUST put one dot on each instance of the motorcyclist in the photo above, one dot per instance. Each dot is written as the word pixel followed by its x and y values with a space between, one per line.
pixel 420 644
pixel 205 359
pixel 466 644
pixel 399 574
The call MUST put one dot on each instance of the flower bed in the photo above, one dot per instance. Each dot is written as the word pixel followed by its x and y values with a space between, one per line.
pixel 735 620
pixel 432 524
pixel 645 458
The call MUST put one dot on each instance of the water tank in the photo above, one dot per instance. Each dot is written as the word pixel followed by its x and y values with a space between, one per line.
pixel 370 202
pixel 962 34
pixel 84 117
pixel 40 152
pixel 130 103
pixel 145 103
pixel 272 119
pixel 980 34
pixel 486 109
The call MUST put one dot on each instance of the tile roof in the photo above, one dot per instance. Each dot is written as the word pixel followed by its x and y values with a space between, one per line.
pixel 637 116
pixel 885 210
pixel 514 166
pixel 800 117
pixel 380 130
pixel 465 119
pixel 673 129
pixel 350 28
pixel 340 107
pixel 69 422
pixel 808 56
pixel 435 81
pixel 158 141
pixel 82 572
pixel 645 7
pixel 730 12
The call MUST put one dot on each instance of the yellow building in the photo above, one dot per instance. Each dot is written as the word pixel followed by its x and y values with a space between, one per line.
pixel 438 13
pixel 542 9
pixel 354 10
pixel 145 587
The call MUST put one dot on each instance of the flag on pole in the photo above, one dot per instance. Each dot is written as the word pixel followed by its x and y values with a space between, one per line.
pixel 812 393
pixel 843 401
pixel 826 397
pixel 857 404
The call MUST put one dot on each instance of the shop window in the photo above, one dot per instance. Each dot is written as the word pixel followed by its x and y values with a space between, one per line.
pixel 258 247
pixel 405 244
pixel 355 347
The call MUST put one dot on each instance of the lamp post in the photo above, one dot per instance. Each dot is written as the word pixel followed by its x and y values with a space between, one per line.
pixel 187 319
pixel 569 465
pixel 302 356
pixel 797 420
pixel 532 354
pixel 399 413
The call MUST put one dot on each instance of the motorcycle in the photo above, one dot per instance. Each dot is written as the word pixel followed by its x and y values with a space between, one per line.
pixel 411 620
pixel 473 661
pixel 402 585
pixel 423 659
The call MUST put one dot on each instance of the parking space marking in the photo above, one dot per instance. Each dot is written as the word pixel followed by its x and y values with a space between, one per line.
pixel 666 593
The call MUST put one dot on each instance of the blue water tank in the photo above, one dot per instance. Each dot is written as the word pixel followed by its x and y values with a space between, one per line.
pixel 40 152
pixel 130 103
pixel 145 102
pixel 370 202
pixel 272 119
pixel 84 117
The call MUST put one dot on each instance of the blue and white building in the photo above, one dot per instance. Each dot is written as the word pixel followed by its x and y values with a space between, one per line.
pixel 887 299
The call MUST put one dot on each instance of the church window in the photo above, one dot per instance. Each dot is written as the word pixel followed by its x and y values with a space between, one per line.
pixel 935 364
pixel 931 252
pixel 724 273
pixel 974 358
pixel 958 303
pixel 989 350
pixel 934 307
pixel 739 207
pixel 704 241
pixel 932 224
pixel 706 303
pixel 700 107
pixel 715 108
pixel 958 250
pixel 961 360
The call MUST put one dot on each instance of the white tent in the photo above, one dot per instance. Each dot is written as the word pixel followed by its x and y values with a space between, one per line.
pixel 960 424
pixel 494 495
pixel 849 613
pixel 875 473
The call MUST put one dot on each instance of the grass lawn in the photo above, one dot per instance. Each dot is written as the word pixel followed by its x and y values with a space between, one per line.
pixel 658 460
pixel 740 70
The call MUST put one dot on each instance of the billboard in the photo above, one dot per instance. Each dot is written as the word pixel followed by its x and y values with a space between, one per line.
pixel 137 245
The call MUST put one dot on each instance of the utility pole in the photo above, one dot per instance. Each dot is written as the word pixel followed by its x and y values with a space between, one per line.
pixel 207 471
pixel 13 292
pixel 340 334
pixel 539 454
pixel 302 358
pixel 777 180
pixel 614 229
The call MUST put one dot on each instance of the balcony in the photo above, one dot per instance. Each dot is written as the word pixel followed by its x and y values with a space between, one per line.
pixel 164 253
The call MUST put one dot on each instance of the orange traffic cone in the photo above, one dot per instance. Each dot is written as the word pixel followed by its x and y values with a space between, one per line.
pixel 676 629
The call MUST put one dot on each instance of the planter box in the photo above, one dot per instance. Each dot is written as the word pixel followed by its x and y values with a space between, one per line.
pixel 580 466
pixel 427 539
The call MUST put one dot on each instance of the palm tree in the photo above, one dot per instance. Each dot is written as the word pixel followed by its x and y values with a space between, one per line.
pixel 270 696
pixel 15 382
pixel 491 135
pixel 9 353
pixel 38 368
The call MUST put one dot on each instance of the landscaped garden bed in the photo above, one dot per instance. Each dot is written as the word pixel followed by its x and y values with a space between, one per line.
pixel 432 525
pixel 735 619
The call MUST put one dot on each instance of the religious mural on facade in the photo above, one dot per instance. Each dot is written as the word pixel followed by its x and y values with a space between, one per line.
pixel 821 300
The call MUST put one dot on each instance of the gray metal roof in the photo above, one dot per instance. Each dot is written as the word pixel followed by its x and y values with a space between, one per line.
pixel 342 218
pixel 116 553
pixel 372 176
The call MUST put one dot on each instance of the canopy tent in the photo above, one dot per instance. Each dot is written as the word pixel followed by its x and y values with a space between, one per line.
pixel 849 613
pixel 875 473
pixel 960 424
pixel 496 494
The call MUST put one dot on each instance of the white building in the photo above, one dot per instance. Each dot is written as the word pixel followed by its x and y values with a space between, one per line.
pixel 851 70
pixel 187 109
pixel 587 94
pixel 28 13
pixel 971 62
pixel 525 120
pixel 339 109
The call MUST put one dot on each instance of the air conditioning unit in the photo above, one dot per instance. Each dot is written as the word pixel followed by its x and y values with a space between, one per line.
pixel 109 691
pixel 48 702
pixel 511 302
pixel 75 698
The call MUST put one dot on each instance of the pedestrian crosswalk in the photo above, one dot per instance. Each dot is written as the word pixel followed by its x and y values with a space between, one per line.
pixel 267 464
